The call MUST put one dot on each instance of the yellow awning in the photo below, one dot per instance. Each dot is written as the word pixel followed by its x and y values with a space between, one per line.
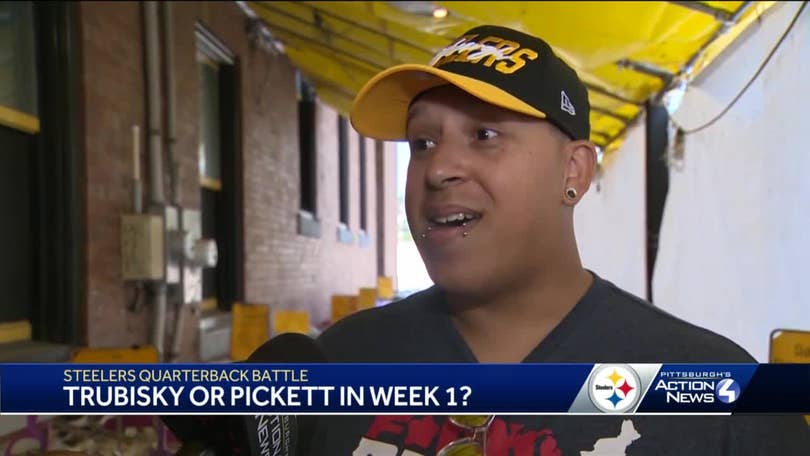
pixel 626 52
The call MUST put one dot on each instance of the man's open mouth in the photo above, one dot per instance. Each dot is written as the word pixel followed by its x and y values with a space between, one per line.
pixel 454 220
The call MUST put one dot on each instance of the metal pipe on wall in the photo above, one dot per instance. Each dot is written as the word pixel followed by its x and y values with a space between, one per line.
pixel 174 177
pixel 156 195
pixel 171 129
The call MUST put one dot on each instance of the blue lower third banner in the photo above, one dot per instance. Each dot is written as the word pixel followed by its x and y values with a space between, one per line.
pixel 404 388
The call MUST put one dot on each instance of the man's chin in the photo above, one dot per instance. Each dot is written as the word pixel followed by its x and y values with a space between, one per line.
pixel 460 281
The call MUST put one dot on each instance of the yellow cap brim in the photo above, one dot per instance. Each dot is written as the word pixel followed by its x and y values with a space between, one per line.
pixel 380 109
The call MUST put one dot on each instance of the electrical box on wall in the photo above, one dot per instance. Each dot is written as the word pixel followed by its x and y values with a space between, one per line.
pixel 188 253
pixel 142 249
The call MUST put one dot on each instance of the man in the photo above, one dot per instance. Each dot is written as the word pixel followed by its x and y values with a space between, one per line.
pixel 500 155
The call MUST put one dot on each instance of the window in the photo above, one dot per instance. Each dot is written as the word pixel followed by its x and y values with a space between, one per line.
pixel 344 234
pixel 219 169
pixel 39 174
pixel 18 72
pixel 210 136
pixel 363 176
pixel 19 125
pixel 343 165
pixel 308 224
pixel 363 238
pixel 306 137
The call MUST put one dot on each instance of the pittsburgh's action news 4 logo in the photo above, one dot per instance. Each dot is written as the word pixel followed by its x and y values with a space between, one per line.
pixel 614 388
pixel 697 387
pixel 727 390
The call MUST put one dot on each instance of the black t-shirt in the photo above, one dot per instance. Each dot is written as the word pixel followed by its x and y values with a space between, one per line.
pixel 608 325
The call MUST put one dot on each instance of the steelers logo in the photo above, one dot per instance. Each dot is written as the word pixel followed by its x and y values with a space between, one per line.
pixel 614 388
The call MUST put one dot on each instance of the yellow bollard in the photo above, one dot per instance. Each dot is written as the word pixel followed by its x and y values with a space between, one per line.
pixel 385 287
pixel 290 321
pixel 249 329
pixel 343 305
pixel 146 354
pixel 790 346
pixel 367 298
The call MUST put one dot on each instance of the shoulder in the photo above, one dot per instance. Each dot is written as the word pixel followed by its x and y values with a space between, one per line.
pixel 659 336
pixel 379 334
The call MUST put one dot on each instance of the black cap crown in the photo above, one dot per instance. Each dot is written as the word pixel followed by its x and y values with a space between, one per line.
pixel 525 67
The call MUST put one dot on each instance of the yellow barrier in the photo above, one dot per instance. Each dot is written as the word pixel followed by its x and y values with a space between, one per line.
pixel 290 321
pixel 343 305
pixel 146 354
pixel 790 346
pixel 385 287
pixel 367 298
pixel 249 329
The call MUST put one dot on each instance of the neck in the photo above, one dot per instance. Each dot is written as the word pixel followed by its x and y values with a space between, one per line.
pixel 505 325
pixel 548 296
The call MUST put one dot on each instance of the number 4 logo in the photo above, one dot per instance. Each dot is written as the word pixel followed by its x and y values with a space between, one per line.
pixel 728 390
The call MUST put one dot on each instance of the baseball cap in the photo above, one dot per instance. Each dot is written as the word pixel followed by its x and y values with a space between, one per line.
pixel 498 65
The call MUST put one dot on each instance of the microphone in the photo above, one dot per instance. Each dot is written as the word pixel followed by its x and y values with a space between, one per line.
pixel 253 435
pixel 292 348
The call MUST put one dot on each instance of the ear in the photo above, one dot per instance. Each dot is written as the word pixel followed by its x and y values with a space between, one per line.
pixel 580 168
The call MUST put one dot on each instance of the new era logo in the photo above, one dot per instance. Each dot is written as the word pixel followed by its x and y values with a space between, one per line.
pixel 566 105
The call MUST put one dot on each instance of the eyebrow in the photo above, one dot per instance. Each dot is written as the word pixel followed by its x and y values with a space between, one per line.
pixel 412 112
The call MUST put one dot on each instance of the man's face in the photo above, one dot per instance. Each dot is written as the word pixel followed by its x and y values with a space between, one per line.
pixel 484 194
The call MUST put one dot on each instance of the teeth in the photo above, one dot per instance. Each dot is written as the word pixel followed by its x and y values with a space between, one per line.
pixel 453 218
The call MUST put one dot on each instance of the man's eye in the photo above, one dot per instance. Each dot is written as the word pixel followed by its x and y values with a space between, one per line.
pixel 422 144
pixel 485 134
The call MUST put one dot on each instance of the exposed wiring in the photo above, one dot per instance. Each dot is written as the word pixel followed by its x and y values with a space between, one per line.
pixel 762 66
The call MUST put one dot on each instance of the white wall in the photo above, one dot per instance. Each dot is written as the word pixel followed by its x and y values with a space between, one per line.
pixel 609 223
pixel 734 248
pixel 734 252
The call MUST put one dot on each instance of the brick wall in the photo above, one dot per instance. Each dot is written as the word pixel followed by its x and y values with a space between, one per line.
pixel 112 76
pixel 285 269
pixel 282 268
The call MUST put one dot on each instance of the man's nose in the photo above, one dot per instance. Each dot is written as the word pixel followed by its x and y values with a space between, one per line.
pixel 448 166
